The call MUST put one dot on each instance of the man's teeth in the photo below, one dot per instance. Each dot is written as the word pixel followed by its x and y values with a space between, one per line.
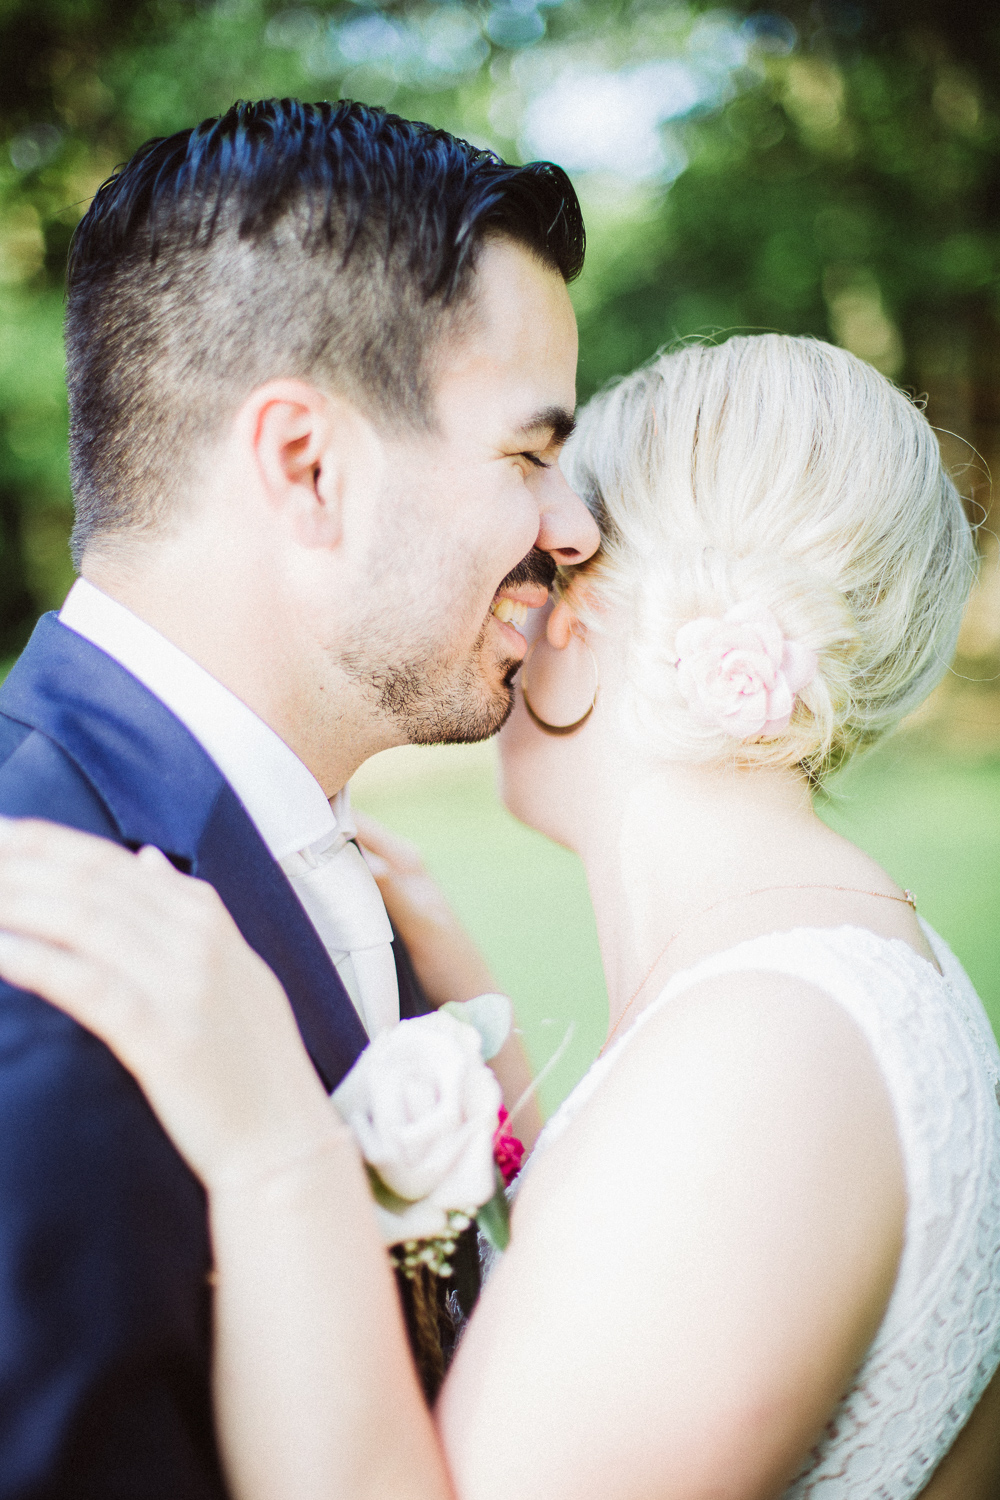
pixel 510 611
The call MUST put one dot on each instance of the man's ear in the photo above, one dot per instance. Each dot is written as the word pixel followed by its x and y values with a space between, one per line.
pixel 303 442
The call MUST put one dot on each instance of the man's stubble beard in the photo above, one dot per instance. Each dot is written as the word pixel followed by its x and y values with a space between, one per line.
pixel 438 705
pixel 437 702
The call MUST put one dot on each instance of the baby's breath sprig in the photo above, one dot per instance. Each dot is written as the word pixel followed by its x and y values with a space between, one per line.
pixel 435 1254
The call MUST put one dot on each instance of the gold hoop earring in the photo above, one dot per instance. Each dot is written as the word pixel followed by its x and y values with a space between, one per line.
pixel 535 717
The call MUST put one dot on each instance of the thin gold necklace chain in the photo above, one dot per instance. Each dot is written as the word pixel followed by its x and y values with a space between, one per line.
pixel 908 899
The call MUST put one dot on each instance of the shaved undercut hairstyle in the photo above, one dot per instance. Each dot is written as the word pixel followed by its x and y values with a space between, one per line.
pixel 331 242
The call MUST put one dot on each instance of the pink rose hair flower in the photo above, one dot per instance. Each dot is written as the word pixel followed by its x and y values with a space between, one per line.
pixel 508 1151
pixel 740 674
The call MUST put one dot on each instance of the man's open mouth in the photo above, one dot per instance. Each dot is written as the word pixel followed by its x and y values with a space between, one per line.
pixel 525 588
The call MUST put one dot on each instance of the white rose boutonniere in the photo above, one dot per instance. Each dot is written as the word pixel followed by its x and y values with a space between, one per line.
pixel 423 1108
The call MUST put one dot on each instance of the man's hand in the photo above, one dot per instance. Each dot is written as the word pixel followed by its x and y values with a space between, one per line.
pixel 152 963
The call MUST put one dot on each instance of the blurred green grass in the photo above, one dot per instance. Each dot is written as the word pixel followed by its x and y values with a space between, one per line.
pixel 523 898
pixel 932 820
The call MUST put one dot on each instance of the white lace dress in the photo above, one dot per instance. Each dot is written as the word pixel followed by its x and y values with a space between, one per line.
pixel 939 1342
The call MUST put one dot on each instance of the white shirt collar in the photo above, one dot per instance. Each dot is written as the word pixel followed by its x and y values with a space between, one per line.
pixel 283 798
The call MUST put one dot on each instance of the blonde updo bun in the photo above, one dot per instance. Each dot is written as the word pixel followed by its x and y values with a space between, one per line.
pixel 787 474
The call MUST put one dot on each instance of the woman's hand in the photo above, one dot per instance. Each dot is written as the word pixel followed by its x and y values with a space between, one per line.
pixel 152 963
pixel 315 1392
pixel 446 959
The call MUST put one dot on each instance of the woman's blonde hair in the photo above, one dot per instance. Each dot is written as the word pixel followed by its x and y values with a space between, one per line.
pixel 787 474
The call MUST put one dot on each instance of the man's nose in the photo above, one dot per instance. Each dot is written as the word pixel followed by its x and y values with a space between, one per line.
pixel 567 530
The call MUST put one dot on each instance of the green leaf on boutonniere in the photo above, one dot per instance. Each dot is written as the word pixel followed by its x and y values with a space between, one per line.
pixel 494 1218
pixel 384 1196
pixel 491 1015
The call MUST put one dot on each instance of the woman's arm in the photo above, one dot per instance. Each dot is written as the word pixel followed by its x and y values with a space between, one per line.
pixel 696 1269
pixel 697 1265
pixel 447 961
pixel 316 1395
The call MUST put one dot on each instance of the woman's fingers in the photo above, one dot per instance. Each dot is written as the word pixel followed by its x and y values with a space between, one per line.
pixel 70 901
pixel 73 983
pixel 153 858
pixel 152 963
pixel 133 925
pixel 36 836
pixel 59 882
pixel 411 895
pixel 399 855
pixel 49 971
pixel 71 859
pixel 115 918
pixel 448 962
pixel 48 906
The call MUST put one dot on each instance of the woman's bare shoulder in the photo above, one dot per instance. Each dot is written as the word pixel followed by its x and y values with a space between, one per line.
pixel 754 1051
pixel 721 1226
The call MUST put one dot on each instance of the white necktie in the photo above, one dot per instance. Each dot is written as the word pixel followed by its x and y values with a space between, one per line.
pixel 344 905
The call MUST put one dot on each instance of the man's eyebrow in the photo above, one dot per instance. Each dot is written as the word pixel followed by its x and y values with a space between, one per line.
pixel 553 419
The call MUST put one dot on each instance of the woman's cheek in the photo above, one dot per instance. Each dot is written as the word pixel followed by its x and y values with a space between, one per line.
pixel 531 782
pixel 514 766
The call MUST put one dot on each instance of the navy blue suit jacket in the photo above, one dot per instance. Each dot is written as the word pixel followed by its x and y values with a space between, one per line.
pixel 104 1252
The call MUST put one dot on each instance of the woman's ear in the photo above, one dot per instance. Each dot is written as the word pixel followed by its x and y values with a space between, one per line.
pixel 562 625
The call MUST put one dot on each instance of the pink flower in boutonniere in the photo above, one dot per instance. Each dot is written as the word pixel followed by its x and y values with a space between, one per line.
pixel 740 674
pixel 508 1151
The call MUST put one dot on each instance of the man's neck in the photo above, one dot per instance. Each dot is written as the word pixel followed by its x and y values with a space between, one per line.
pixel 243 637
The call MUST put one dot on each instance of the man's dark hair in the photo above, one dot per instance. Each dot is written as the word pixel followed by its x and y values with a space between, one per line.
pixel 334 242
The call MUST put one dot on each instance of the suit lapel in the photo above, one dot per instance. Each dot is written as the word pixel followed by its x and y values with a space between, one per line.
pixel 161 788
pixel 233 858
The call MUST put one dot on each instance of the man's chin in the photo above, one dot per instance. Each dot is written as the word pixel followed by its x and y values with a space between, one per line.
pixel 468 724
pixel 471 710
pixel 434 705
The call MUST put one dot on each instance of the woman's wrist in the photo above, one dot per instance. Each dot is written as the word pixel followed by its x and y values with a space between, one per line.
pixel 445 957
pixel 448 963
pixel 261 1164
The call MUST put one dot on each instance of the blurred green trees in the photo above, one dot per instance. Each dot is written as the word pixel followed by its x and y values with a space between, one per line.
pixel 829 168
